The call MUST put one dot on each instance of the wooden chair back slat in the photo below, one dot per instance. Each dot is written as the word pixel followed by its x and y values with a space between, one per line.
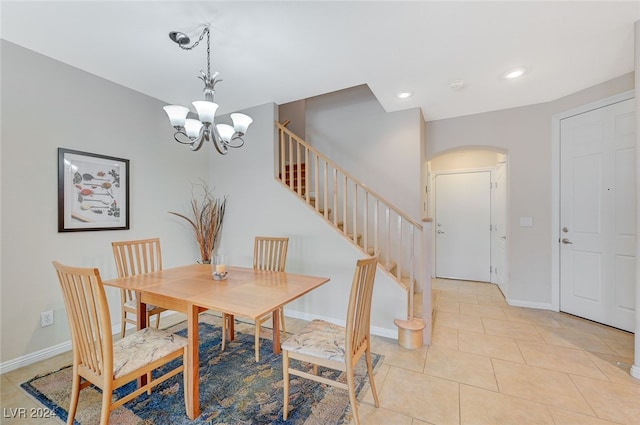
pixel 132 258
pixel 89 320
pixel 359 309
pixel 137 256
pixel 270 253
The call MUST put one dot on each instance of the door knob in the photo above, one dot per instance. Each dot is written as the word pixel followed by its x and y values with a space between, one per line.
pixel 440 231
pixel 566 241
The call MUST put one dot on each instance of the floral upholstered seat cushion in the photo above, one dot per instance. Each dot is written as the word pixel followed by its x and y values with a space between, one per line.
pixel 134 304
pixel 319 339
pixel 143 347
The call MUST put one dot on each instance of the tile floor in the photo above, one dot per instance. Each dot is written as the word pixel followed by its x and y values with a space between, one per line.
pixel 489 364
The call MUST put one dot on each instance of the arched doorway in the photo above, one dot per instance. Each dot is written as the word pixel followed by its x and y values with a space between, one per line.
pixel 467 197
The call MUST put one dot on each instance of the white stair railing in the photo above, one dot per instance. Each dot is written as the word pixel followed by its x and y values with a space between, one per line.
pixel 363 216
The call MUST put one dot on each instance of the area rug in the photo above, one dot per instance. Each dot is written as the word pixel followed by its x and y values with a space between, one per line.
pixel 234 389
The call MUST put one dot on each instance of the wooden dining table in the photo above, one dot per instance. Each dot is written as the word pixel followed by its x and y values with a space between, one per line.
pixel 191 290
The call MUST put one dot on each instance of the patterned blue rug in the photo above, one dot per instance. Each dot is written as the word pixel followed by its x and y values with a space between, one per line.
pixel 234 389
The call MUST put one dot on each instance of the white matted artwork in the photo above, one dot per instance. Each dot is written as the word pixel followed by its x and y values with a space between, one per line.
pixel 93 192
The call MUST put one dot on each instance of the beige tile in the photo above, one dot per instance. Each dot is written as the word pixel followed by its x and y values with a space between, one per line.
pixel 572 322
pixel 371 415
pixel 395 355
pixel 533 316
pixel 461 367
pixel 444 285
pixel 620 342
pixel 572 338
pixel 445 337
pixel 488 311
pixel 515 330
pixel 565 417
pixel 16 406
pixel 611 401
pixel 497 300
pixel 479 288
pixel 561 359
pixel 419 422
pixel 420 396
pixel 448 304
pixel 613 368
pixel 458 321
pixel 539 385
pixel 482 407
pixel 456 296
pixel 489 345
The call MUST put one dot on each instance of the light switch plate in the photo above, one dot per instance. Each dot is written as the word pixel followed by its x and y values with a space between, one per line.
pixel 526 221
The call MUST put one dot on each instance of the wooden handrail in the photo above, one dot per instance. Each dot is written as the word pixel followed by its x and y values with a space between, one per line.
pixel 347 174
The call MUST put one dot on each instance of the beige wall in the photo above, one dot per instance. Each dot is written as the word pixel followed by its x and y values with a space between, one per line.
pixel 465 159
pixel 525 135
pixel 380 149
pixel 45 105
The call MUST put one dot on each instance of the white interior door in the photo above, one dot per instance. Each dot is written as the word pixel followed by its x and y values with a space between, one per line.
pixel 499 239
pixel 463 219
pixel 598 215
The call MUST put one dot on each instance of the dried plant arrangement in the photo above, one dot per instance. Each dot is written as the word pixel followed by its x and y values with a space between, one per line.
pixel 207 213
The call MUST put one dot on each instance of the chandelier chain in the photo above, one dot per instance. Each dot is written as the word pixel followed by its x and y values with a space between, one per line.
pixel 204 31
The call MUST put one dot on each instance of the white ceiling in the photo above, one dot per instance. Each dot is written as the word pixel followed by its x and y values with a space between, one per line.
pixel 276 51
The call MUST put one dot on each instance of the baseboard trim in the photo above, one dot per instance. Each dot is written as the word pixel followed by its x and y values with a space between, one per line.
pixel 54 350
pixel 35 357
pixel 635 371
pixel 529 304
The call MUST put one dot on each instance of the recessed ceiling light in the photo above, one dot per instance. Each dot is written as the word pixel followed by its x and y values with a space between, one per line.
pixel 404 94
pixel 514 73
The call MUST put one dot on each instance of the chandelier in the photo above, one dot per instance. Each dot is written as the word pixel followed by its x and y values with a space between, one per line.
pixel 194 132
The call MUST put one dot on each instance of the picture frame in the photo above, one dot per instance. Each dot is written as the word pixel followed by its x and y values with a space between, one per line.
pixel 93 192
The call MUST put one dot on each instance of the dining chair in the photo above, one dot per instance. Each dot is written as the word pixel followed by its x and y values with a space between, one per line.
pixel 269 253
pixel 132 258
pixel 100 361
pixel 325 344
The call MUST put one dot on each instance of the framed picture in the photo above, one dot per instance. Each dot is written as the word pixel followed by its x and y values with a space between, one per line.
pixel 93 192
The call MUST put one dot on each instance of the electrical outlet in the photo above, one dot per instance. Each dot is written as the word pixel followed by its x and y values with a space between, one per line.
pixel 46 318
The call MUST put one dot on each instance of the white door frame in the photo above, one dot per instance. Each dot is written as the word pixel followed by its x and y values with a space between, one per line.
pixel 555 186
pixel 432 178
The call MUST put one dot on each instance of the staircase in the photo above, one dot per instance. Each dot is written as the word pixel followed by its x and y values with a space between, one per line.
pixel 366 219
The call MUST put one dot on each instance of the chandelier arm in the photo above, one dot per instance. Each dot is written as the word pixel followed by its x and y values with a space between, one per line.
pixel 238 145
pixel 193 144
pixel 220 145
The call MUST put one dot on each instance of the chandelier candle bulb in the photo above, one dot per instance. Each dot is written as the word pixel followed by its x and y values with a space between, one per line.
pixel 177 115
pixel 225 131
pixel 206 110
pixel 241 122
pixel 192 128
